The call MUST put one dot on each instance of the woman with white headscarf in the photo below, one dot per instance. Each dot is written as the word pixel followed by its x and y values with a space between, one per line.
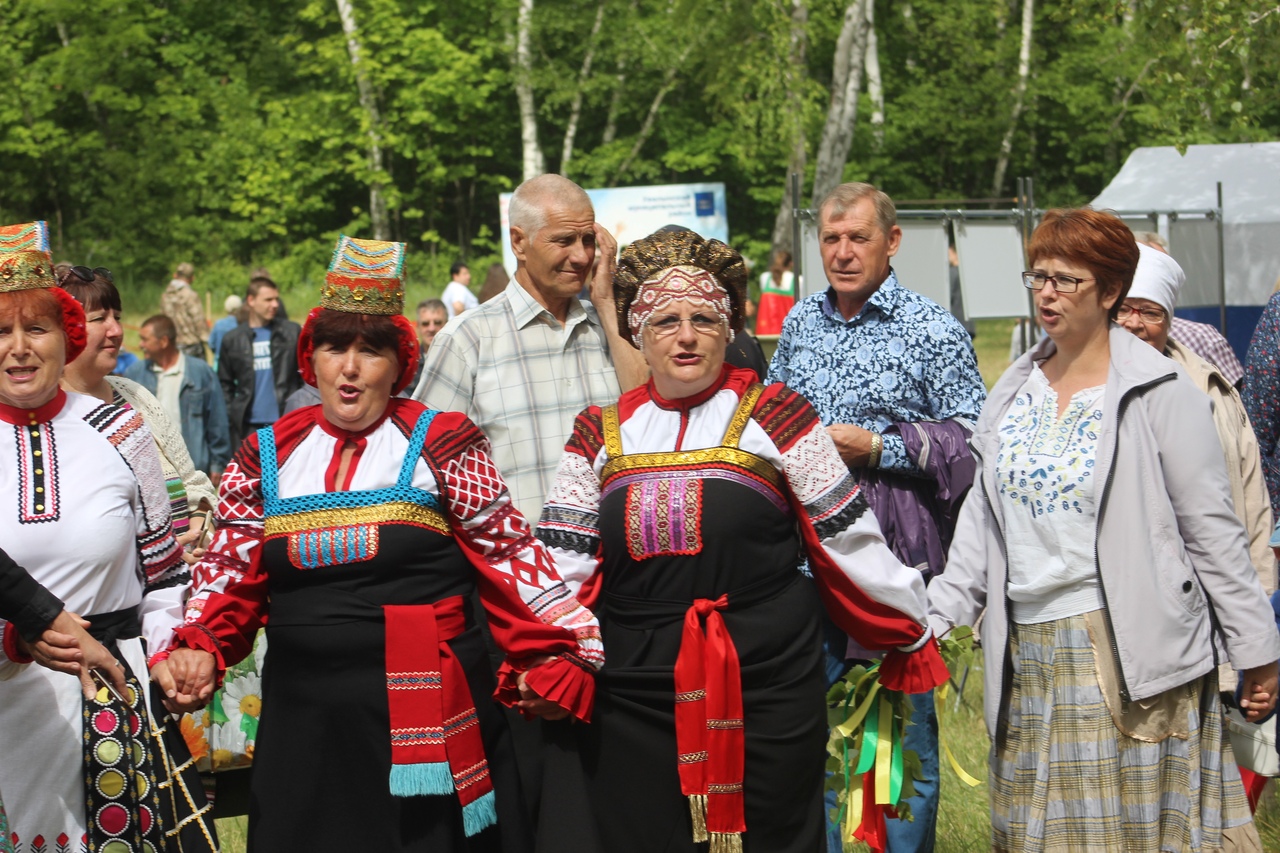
pixel 1147 311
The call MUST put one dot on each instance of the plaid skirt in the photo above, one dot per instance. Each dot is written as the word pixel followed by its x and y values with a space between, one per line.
pixel 1074 768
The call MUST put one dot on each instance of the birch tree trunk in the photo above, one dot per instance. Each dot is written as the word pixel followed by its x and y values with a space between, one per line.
pixel 875 89
pixel 650 119
pixel 575 108
pixel 369 103
pixel 615 102
pixel 846 80
pixel 531 153
pixel 1024 72
pixel 795 77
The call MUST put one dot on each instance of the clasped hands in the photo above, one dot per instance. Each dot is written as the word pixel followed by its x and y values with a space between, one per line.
pixel 1258 691
pixel 65 646
pixel 187 680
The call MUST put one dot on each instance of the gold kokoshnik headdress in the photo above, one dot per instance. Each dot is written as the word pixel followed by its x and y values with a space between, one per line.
pixel 676 263
pixel 365 277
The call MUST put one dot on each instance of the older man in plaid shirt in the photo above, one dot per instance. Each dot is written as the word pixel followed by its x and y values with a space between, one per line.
pixel 523 365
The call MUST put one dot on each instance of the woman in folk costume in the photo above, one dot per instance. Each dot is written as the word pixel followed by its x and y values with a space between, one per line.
pixel 682 514
pixel 777 294
pixel 357 530
pixel 90 522
pixel 52 636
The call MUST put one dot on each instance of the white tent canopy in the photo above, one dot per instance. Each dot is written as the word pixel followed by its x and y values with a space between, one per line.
pixel 1162 180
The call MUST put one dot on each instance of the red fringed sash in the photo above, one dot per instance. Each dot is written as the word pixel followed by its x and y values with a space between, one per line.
pixel 436 746
pixel 709 735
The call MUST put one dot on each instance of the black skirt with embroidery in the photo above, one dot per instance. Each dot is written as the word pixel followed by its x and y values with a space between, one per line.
pixel 621 770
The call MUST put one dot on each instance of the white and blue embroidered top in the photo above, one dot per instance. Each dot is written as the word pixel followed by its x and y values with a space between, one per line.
pixel 1047 494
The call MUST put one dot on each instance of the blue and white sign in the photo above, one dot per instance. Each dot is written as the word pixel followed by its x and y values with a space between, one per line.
pixel 630 213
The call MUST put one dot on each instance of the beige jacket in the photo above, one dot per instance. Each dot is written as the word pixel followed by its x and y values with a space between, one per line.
pixel 1244 461
pixel 174 458
pixel 1244 468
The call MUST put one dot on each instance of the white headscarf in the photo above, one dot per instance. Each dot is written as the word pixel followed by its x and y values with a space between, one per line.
pixel 1158 278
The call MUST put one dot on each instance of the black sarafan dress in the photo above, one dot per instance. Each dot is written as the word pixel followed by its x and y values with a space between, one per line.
pixel 683 523
pixel 379 730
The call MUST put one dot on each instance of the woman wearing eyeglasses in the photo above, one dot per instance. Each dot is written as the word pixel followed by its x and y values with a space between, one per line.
pixel 680 514
pixel 1100 539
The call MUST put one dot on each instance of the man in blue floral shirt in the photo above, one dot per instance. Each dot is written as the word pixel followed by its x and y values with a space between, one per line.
pixel 894 377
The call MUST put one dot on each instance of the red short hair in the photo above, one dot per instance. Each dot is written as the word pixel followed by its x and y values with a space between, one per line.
pixel 51 303
pixel 326 327
pixel 1094 239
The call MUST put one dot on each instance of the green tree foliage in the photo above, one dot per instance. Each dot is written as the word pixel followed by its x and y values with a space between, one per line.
pixel 232 133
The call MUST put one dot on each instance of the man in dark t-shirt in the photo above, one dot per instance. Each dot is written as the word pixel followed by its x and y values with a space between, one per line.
pixel 258 366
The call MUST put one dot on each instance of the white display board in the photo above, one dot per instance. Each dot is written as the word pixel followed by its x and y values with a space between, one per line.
pixel 812 278
pixel 921 263
pixel 991 265
pixel 630 213
pixel 1193 242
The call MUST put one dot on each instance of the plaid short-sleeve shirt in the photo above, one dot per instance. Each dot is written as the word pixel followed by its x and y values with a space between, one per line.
pixel 1208 343
pixel 522 377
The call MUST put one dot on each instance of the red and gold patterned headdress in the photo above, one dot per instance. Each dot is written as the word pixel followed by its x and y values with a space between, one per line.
pixel 365 277
pixel 25 262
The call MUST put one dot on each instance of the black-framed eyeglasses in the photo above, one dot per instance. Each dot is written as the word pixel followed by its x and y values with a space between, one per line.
pixel 1149 316
pixel 87 275
pixel 1061 283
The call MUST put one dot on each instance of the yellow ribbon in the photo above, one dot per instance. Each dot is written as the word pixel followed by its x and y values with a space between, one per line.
pixel 959 771
pixel 853 806
pixel 884 753
pixel 939 699
pixel 849 726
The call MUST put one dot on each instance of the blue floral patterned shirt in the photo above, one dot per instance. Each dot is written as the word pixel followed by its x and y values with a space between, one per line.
pixel 902 359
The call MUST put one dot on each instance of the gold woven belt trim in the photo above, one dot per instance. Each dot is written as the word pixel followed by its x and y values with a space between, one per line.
pixel 389 513
pixel 693 458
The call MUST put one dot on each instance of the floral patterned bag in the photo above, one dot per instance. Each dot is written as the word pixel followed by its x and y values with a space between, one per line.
pixel 222 735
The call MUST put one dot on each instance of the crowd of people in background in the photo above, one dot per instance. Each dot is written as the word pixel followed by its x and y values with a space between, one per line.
pixel 570 565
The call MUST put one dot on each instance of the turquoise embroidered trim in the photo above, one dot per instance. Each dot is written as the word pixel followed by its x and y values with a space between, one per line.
pixel 401 492
pixel 333 547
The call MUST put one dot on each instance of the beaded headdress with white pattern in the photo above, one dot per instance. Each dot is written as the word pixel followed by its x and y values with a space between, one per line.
pixel 365 277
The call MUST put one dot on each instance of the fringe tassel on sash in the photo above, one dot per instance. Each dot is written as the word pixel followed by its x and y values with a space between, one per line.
pixel 436 747
pixel 709 733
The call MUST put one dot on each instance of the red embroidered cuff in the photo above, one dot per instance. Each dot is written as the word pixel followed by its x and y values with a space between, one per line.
pixel 157 657
pixel 9 638
pixel 193 635
pixel 914 672
pixel 558 680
